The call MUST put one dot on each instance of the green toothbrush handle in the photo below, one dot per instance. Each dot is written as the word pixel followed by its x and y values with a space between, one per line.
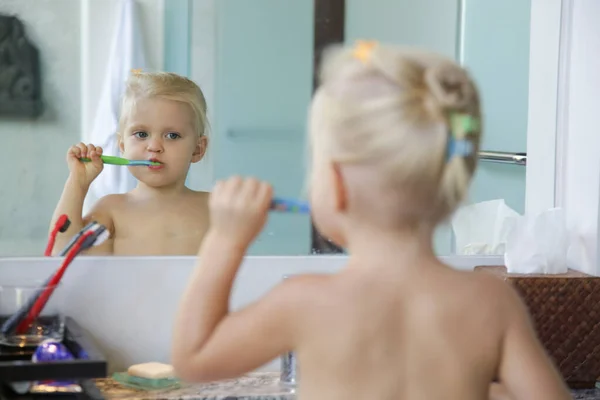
pixel 109 160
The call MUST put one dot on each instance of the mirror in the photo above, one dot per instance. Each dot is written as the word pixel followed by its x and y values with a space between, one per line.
pixel 254 60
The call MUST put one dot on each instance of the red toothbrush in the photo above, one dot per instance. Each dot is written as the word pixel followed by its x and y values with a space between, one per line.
pixel 93 236
pixel 61 225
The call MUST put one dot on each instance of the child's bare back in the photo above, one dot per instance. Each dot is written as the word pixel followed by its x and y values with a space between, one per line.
pixel 394 135
pixel 141 225
pixel 427 333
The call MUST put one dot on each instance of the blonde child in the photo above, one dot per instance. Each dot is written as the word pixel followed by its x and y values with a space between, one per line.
pixel 163 118
pixel 394 137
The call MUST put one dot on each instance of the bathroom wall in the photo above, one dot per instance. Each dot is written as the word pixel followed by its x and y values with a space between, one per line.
pixel 33 151
pixel 128 304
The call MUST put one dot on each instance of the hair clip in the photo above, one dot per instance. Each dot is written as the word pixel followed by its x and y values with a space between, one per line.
pixel 136 71
pixel 461 125
pixel 459 148
pixel 290 205
pixel 363 49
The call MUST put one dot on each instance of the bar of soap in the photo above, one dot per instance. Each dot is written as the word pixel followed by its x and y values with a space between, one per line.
pixel 136 382
pixel 152 370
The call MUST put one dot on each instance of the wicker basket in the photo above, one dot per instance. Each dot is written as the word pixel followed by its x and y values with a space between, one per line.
pixel 565 310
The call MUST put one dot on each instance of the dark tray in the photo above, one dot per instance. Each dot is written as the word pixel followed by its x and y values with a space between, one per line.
pixel 16 364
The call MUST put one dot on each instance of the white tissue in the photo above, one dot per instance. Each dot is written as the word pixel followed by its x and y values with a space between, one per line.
pixel 482 228
pixel 538 244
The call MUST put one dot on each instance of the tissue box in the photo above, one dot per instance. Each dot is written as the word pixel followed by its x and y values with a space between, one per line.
pixel 565 309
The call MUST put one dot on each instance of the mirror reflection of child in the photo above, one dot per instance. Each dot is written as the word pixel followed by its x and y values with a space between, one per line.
pixel 394 135
pixel 163 118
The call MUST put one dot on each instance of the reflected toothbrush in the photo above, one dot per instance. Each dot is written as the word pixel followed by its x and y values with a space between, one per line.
pixel 122 161
pixel 290 205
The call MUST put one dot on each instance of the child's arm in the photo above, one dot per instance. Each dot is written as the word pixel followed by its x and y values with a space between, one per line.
pixel 71 201
pixel 71 204
pixel 210 342
pixel 526 370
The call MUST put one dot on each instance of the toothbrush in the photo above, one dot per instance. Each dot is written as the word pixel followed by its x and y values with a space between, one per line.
pixel 290 205
pixel 20 319
pixel 91 237
pixel 122 161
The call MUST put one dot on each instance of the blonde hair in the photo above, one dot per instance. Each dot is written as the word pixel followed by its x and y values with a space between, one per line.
pixel 393 108
pixel 165 85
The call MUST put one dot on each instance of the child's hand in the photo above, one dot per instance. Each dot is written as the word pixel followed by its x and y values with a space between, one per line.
pixel 84 172
pixel 238 209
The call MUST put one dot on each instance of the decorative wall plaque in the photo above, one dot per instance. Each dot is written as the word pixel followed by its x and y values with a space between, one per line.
pixel 20 81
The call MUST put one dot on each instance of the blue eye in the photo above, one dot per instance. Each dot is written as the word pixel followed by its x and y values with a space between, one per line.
pixel 173 135
pixel 141 135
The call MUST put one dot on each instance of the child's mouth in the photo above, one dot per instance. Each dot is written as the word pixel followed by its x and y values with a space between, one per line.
pixel 155 164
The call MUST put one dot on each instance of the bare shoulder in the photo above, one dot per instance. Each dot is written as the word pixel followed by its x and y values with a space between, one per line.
pixel 103 210
pixel 300 291
pixel 107 204
pixel 111 200
pixel 479 291
pixel 487 281
pixel 290 302
pixel 496 287
pixel 497 293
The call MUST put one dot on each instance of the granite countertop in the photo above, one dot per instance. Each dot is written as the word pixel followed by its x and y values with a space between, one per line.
pixel 586 394
pixel 254 386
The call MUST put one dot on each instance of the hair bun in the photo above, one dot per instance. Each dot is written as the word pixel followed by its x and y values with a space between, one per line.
pixel 450 86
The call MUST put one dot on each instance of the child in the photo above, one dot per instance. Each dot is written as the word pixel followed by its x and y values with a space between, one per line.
pixel 394 137
pixel 163 118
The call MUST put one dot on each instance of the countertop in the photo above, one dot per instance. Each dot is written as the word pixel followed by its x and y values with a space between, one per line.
pixel 254 386
pixel 586 394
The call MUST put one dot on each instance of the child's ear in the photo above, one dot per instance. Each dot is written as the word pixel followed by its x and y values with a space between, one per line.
pixel 120 143
pixel 339 189
pixel 200 149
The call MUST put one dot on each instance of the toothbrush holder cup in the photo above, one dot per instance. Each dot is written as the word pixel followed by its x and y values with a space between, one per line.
pixel 50 324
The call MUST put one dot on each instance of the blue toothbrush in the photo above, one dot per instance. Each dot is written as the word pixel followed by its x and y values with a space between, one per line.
pixel 290 205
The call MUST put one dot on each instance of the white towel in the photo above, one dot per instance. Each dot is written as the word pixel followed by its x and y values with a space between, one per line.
pixel 127 53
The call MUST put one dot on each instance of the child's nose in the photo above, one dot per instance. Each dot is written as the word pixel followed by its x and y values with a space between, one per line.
pixel 155 145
